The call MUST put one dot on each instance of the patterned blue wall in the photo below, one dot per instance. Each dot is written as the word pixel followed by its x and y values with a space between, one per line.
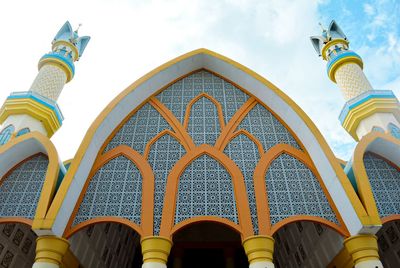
pixel 203 124
pixel 292 189
pixel 139 129
pixel 394 130
pixel 5 135
pixel 245 153
pixel 177 96
pixel 20 190
pixel 164 153
pixel 267 128
pixel 385 184
pixel 115 190
pixel 205 189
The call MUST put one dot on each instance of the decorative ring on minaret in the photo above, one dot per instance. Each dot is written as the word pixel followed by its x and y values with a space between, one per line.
pixel 60 61
pixel 343 57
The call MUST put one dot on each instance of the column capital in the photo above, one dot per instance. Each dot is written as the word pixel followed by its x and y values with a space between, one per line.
pixel 156 249
pixel 362 248
pixel 51 249
pixel 259 248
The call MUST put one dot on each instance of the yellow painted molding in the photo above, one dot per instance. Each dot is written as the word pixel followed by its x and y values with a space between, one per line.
pixel 155 249
pixel 362 248
pixel 34 109
pixel 51 249
pixel 341 62
pixel 62 191
pixel 58 63
pixel 368 108
pixel 332 43
pixel 259 248
pixel 67 44
pixel 342 260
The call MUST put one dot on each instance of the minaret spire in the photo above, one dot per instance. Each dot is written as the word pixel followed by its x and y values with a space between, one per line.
pixel 36 109
pixel 366 109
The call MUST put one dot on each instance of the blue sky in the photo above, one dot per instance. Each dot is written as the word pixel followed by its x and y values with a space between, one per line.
pixel 130 38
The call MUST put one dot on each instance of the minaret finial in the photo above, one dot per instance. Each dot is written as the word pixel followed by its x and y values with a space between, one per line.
pixel 77 29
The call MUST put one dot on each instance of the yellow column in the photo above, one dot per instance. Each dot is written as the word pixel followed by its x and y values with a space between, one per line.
pixel 50 251
pixel 155 250
pixel 259 250
pixel 363 250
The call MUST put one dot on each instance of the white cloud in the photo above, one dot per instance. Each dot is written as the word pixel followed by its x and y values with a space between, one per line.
pixel 369 9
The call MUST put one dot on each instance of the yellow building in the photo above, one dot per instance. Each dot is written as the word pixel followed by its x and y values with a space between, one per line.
pixel 200 163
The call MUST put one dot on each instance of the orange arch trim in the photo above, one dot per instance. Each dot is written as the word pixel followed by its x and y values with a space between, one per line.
pixel 248 135
pixel 239 189
pixel 216 103
pixel 84 224
pixel 157 137
pixel 260 187
pixel 147 186
pixel 16 220
pixel 197 219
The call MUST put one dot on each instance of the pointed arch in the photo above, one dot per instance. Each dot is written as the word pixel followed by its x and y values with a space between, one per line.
pixel 263 209
pixel 394 130
pixel 147 202
pixel 157 137
pixel 383 145
pixel 6 133
pixel 238 185
pixel 248 135
pixel 216 103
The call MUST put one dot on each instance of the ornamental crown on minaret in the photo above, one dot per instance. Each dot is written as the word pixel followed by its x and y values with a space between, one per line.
pixel 69 41
pixel 333 37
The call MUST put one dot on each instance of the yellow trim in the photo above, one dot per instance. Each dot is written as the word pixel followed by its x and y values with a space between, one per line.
pixel 67 44
pixel 51 249
pixel 58 63
pixel 33 108
pixel 259 248
pixel 363 185
pixel 50 181
pixel 362 248
pixel 342 260
pixel 341 62
pixel 332 43
pixel 155 249
pixel 62 191
pixel 366 109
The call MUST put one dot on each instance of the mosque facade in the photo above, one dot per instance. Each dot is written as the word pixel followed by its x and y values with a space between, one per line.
pixel 200 163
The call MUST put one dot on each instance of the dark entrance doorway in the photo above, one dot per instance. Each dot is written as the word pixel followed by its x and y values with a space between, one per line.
pixel 207 244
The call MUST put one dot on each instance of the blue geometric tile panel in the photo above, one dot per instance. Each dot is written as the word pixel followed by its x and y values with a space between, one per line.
pixel 394 130
pixel 292 189
pixel 244 152
pixel 164 153
pixel 115 190
pixel 266 128
pixel 378 129
pixel 385 183
pixel 20 190
pixel 203 124
pixel 177 96
pixel 139 129
pixel 6 133
pixel 205 189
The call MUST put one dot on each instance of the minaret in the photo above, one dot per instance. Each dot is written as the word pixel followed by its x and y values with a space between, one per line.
pixel 365 109
pixel 37 109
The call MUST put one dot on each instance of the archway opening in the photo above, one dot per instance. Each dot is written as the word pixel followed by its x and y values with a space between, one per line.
pixel 389 244
pixel 306 244
pixel 207 244
pixel 17 245
pixel 107 244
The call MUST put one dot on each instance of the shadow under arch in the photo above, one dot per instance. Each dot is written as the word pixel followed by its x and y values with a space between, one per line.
pixel 209 243
pixel 146 226
pixel 239 189
pixel 260 187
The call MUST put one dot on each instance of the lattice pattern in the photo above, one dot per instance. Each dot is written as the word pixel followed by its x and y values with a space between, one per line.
pixel 177 96
pixel 49 82
pixel 266 128
pixel 20 190
pixel 385 184
pixel 292 189
pixel 5 134
pixel 394 130
pixel 115 190
pixel 162 157
pixel 139 129
pixel 203 124
pixel 205 189
pixel 245 153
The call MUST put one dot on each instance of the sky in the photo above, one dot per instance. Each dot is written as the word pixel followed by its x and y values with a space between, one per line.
pixel 130 38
